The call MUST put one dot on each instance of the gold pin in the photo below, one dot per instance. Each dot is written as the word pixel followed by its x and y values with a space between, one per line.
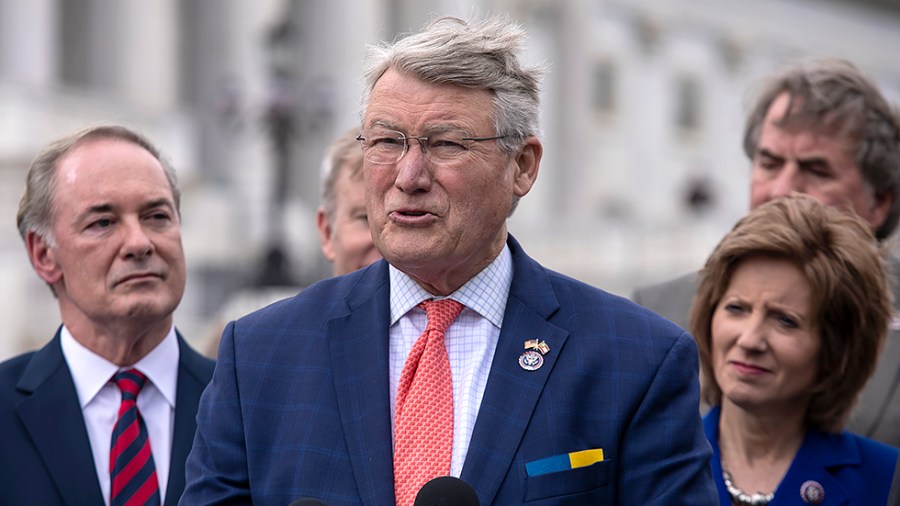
pixel 536 344
pixel 533 358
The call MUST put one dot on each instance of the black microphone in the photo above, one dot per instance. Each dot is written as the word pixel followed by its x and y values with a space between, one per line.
pixel 307 501
pixel 446 491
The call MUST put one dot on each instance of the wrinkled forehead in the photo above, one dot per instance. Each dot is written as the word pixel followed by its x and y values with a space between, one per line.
pixel 400 99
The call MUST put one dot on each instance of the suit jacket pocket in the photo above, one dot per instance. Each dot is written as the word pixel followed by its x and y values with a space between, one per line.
pixel 571 481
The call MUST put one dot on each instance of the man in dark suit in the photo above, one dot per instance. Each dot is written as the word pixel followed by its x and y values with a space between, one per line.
pixel 823 128
pixel 528 385
pixel 104 413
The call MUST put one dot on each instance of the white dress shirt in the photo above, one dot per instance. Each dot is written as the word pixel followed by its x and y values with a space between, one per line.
pixel 471 340
pixel 100 399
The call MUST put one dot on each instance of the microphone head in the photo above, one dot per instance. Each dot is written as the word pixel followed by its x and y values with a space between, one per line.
pixel 307 501
pixel 446 491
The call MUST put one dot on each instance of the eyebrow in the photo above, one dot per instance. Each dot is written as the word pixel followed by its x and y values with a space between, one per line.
pixel 813 160
pixel 791 310
pixel 437 128
pixel 768 154
pixel 97 209
pixel 106 208
pixel 385 124
pixel 160 202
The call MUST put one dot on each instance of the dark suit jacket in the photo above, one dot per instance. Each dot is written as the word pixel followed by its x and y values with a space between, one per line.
pixel 877 415
pixel 45 454
pixel 894 497
pixel 851 469
pixel 299 404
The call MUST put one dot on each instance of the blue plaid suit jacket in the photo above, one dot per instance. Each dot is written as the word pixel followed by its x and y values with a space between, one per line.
pixel 299 404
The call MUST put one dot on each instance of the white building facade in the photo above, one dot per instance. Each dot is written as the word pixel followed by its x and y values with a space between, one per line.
pixel 643 114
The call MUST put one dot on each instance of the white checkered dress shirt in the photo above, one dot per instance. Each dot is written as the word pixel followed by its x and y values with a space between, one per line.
pixel 471 340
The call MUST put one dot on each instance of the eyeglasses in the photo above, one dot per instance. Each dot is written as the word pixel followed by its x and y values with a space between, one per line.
pixel 384 146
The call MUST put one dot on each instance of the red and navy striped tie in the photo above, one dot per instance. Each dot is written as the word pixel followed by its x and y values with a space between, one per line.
pixel 132 472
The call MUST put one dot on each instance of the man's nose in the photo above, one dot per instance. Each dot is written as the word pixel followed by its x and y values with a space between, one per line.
pixel 137 243
pixel 413 170
pixel 787 181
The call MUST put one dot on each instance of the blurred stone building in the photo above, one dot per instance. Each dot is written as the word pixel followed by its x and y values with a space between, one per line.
pixel 643 112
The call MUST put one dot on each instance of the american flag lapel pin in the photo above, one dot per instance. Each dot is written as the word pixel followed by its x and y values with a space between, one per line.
pixel 533 357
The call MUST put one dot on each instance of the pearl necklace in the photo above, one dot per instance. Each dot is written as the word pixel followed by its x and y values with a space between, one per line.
pixel 738 496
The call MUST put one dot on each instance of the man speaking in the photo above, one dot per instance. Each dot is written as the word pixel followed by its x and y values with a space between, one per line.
pixel 457 354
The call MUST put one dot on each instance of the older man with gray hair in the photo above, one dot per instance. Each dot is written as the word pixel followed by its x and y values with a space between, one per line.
pixel 457 357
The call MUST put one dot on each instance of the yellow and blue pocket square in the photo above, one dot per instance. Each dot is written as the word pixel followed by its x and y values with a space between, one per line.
pixel 564 462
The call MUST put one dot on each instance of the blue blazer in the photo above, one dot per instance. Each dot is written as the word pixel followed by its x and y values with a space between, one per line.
pixel 299 404
pixel 851 469
pixel 45 454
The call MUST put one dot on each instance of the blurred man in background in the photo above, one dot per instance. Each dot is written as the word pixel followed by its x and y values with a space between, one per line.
pixel 824 129
pixel 117 387
pixel 341 219
pixel 343 231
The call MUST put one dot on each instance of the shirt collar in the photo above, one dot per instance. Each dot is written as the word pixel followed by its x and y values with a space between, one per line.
pixel 91 372
pixel 486 293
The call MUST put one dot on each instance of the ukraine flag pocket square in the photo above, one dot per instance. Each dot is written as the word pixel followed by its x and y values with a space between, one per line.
pixel 564 462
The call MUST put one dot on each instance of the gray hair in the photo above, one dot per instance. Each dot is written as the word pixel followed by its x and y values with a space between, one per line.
pixel 480 55
pixel 343 155
pixel 832 96
pixel 37 204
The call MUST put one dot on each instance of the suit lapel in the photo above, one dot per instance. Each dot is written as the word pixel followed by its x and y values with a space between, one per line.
pixel 358 343
pixel 812 463
pixel 816 460
pixel 194 372
pixel 711 428
pixel 878 408
pixel 512 392
pixel 52 416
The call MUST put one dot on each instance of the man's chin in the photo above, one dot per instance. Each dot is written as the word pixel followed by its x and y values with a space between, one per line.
pixel 149 308
pixel 412 248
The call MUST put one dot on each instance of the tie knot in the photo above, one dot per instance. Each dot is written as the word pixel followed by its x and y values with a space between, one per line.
pixel 130 382
pixel 440 313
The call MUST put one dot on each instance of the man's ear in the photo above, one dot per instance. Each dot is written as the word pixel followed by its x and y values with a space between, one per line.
pixel 881 208
pixel 43 258
pixel 325 234
pixel 528 160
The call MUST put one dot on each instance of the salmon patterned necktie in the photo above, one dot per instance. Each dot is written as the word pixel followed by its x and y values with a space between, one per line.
pixel 423 423
pixel 131 468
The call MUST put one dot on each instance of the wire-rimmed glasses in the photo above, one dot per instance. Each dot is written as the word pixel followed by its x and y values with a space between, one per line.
pixel 384 146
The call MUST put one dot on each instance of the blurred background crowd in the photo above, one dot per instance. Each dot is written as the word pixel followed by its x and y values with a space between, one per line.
pixel 643 111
